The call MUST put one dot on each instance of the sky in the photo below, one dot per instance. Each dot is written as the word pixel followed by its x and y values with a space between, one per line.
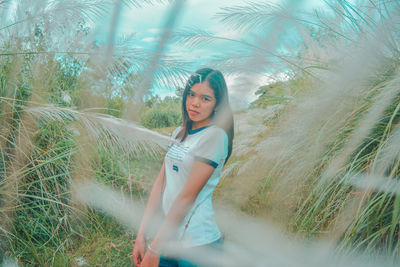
pixel 147 24
pixel 149 21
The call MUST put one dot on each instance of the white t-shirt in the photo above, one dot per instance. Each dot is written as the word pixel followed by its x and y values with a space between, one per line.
pixel 207 144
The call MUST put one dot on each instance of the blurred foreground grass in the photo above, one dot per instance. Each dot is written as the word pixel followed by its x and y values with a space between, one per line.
pixel 302 152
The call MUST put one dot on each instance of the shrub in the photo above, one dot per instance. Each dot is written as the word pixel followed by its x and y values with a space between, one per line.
pixel 164 113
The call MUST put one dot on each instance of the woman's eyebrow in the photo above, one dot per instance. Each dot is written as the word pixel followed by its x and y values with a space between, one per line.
pixel 207 95
pixel 202 94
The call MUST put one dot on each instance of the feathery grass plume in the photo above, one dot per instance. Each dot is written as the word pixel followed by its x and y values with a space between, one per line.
pixel 151 69
pixel 357 140
pixel 146 79
pixel 255 56
pixel 34 197
pixel 125 209
pixel 50 21
pixel 251 54
pixel 260 49
pixel 44 61
pixel 336 130
pixel 303 152
pixel 9 262
pixel 335 122
pixel 258 16
pixel 388 154
pixel 375 183
pixel 257 244
pixel 309 174
pixel 15 163
pixel 107 130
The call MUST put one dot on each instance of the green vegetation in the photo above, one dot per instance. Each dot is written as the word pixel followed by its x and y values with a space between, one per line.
pixel 162 113
pixel 271 94
pixel 324 165
pixel 281 92
pixel 47 139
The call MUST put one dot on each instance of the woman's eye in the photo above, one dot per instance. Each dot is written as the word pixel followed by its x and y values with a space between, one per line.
pixel 191 94
pixel 206 99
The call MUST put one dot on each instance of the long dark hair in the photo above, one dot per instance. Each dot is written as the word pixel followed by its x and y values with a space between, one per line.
pixel 222 117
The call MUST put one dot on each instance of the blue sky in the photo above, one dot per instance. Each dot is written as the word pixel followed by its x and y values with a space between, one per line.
pixel 147 24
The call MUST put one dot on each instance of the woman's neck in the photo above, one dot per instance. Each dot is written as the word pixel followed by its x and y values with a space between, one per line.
pixel 200 124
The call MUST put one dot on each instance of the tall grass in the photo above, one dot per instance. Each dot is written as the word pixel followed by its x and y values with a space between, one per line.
pixel 56 88
pixel 326 166
pixel 346 128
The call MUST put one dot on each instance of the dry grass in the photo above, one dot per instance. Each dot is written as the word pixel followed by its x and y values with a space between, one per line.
pixel 306 168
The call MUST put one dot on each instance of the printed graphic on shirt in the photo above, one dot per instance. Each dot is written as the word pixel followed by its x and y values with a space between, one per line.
pixel 177 152
pixel 175 168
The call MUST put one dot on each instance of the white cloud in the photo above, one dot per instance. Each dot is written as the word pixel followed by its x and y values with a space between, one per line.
pixel 154 30
pixel 190 54
pixel 231 34
pixel 149 39
pixel 242 87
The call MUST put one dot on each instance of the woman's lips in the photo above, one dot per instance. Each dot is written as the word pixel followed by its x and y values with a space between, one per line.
pixel 193 113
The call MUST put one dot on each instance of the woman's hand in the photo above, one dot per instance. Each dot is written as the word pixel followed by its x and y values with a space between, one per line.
pixel 150 260
pixel 139 250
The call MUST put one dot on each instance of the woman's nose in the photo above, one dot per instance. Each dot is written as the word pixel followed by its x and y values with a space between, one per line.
pixel 195 102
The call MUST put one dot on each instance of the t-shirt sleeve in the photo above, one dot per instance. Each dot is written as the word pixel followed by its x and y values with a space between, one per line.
pixel 212 147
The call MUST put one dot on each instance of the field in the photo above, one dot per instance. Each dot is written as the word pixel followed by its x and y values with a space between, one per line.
pixel 314 174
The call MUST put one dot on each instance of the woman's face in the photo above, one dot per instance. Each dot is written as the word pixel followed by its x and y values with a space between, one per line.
pixel 200 104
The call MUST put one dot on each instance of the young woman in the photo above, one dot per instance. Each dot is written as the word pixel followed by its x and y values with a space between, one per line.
pixel 191 170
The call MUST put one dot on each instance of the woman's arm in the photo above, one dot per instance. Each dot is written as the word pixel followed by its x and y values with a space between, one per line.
pixel 154 201
pixel 199 176
pixel 153 204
